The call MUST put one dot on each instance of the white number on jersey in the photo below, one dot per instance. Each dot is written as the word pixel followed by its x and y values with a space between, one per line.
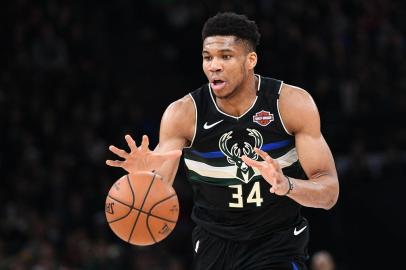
pixel 253 197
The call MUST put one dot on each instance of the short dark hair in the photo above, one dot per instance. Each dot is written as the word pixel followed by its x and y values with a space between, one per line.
pixel 232 24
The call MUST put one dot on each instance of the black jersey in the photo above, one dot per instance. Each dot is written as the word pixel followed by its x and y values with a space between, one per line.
pixel 231 199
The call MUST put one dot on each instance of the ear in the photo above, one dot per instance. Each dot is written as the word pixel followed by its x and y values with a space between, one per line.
pixel 251 60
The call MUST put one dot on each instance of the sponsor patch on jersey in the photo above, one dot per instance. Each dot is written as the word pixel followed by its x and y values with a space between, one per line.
pixel 263 118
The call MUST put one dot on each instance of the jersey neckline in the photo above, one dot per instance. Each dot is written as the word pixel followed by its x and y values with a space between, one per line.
pixel 248 110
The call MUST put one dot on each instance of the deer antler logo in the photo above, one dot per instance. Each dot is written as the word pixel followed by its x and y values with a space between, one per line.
pixel 233 154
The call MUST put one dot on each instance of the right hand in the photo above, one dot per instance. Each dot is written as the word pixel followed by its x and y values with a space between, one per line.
pixel 270 170
pixel 140 158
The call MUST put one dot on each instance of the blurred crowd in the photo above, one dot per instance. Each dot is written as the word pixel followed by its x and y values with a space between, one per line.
pixel 75 76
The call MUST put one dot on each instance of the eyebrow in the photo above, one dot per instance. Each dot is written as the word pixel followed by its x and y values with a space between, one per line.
pixel 222 50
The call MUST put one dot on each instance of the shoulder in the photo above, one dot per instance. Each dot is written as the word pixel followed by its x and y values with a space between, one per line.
pixel 188 102
pixel 181 106
pixel 296 97
pixel 298 109
pixel 179 117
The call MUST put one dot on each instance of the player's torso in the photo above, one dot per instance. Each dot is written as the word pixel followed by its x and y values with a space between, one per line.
pixel 225 188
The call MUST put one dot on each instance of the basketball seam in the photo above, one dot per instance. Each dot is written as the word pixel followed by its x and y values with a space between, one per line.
pixel 126 215
pixel 161 201
pixel 142 205
pixel 149 229
pixel 120 218
pixel 135 208
pixel 149 214
pixel 131 188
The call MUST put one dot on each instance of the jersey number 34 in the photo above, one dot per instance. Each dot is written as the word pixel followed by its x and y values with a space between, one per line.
pixel 253 197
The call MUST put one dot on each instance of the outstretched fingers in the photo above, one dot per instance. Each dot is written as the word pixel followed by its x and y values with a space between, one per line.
pixel 119 152
pixel 114 163
pixel 131 143
pixel 145 143
pixel 265 156
pixel 251 162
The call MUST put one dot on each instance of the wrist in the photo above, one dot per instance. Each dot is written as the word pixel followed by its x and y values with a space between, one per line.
pixel 290 185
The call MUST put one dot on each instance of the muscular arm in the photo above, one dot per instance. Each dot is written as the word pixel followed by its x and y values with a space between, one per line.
pixel 301 118
pixel 176 132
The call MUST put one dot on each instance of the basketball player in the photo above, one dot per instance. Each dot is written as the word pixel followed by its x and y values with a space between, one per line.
pixel 254 155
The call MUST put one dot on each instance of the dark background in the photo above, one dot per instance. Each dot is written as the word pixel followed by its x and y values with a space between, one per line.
pixel 75 76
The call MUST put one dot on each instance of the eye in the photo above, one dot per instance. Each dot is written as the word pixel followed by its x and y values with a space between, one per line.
pixel 227 57
pixel 207 58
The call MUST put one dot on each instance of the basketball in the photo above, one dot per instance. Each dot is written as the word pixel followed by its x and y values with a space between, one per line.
pixel 141 208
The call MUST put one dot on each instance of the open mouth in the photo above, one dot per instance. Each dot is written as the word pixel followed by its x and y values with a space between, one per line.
pixel 217 84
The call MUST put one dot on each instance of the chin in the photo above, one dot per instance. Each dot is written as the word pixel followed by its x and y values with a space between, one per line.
pixel 222 95
pixel 217 95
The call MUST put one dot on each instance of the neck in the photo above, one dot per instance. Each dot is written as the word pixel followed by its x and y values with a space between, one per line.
pixel 242 98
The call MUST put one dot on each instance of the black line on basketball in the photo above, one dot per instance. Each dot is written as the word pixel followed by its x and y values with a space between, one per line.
pixel 117 200
pixel 161 201
pixel 143 202
pixel 123 203
pixel 132 191
pixel 135 208
pixel 158 217
pixel 126 215
pixel 149 229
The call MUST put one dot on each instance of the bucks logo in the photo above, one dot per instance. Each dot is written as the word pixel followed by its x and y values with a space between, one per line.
pixel 233 154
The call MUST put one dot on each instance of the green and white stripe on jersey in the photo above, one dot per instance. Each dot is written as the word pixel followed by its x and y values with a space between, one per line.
pixel 220 172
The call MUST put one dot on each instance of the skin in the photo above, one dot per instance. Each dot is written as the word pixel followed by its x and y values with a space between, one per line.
pixel 230 60
pixel 322 260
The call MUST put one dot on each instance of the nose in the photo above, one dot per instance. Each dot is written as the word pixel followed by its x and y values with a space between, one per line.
pixel 215 65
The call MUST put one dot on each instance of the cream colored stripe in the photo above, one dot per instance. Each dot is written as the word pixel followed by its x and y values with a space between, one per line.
pixel 230 171
pixel 210 171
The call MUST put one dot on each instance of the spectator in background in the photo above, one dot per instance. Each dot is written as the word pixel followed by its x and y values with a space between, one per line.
pixel 322 260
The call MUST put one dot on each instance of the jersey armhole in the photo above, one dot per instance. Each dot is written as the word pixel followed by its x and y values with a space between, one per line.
pixel 279 113
pixel 194 135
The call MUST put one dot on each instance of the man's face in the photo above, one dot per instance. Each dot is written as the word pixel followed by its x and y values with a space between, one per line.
pixel 225 64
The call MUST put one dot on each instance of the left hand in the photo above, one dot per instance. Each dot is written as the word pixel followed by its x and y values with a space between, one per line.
pixel 140 158
pixel 270 170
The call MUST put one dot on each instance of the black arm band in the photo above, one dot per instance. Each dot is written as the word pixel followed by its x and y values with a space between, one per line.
pixel 290 185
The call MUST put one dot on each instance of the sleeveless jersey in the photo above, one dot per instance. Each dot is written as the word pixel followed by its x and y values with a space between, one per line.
pixel 231 199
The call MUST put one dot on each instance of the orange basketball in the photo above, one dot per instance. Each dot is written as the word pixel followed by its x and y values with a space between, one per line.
pixel 141 209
